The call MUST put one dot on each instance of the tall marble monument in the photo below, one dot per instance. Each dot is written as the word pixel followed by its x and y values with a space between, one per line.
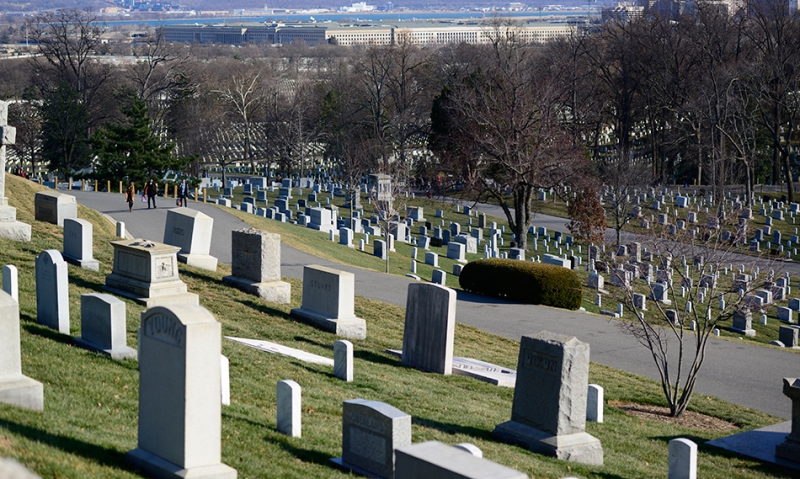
pixel 9 226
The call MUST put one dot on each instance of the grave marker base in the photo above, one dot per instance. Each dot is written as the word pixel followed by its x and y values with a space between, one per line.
pixel 12 229
pixel 746 332
pixel 202 261
pixel 349 467
pixel 273 291
pixel 171 298
pixel 161 468
pixel 580 447
pixel 90 264
pixel 22 391
pixel 119 353
pixel 355 328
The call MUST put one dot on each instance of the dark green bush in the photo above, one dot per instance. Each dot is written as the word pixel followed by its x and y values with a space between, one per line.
pixel 523 281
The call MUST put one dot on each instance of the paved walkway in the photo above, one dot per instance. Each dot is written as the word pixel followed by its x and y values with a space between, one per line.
pixel 735 371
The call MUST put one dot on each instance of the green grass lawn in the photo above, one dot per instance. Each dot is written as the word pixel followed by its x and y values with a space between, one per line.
pixel 90 417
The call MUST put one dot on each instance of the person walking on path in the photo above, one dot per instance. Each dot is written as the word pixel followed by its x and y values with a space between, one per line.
pixel 130 194
pixel 150 191
pixel 183 191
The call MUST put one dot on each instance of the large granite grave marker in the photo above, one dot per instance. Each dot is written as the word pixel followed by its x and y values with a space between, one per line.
pixel 371 431
pixel 433 459
pixel 15 388
pixel 179 394
pixel 191 230
pixel 429 328
pixel 328 302
pixel 103 326
pixel 256 267
pixel 548 415
pixel 147 272
pixel 54 207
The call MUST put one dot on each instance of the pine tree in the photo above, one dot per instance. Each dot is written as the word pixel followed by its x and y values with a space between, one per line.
pixel 131 151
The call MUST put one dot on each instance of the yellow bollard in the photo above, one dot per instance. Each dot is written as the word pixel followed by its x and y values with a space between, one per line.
pixel 195 194
pixel 40 181
pixel 95 186
pixel 120 187
pixel 83 185
pixel 108 186
pixel 166 190
pixel 205 195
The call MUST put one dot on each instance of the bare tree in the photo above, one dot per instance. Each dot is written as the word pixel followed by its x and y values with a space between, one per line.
pixel 26 118
pixel 243 95
pixel 694 297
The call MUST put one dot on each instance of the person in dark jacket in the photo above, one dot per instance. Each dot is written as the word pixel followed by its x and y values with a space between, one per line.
pixel 183 193
pixel 150 191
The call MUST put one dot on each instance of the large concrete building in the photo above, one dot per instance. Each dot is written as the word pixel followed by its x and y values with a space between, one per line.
pixel 355 33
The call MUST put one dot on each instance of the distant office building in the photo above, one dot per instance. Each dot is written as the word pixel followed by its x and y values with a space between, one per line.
pixel 355 34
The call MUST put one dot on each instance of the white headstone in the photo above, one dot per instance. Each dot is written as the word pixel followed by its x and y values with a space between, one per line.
pixel 78 244
pixel 103 326
pixel 11 281
pixel 594 403
pixel 343 360
pixel 289 404
pixel 224 380
pixel 191 231
pixel 682 459
pixel 328 302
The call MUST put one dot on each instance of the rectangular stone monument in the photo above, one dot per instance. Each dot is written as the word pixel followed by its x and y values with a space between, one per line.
pixel 548 414
pixel 52 291
pixel 322 220
pixel 15 389
pixel 103 326
pixel 78 244
pixel 191 231
pixel 346 237
pixel 379 249
pixel 456 251
pixel 10 228
pixel 788 335
pixel 179 395
pixel 147 272
pixel 53 207
pixel 433 459
pixel 328 302
pixel 429 328
pixel 256 265
pixel 371 431
pixel 432 258
pixel 743 323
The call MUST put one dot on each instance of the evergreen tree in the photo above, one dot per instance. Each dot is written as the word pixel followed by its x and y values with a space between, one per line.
pixel 65 121
pixel 131 151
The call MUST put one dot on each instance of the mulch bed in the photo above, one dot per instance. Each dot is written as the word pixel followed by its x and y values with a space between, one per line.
pixel 690 419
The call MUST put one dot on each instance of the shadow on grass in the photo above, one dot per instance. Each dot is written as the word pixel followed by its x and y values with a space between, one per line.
pixel 98 454
pixel 91 285
pixel 202 277
pixel 45 332
pixel 450 428
pixel 377 358
pixel 303 339
pixel 269 310
pixel 306 455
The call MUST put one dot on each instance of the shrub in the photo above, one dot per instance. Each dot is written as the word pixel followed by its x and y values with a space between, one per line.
pixel 523 281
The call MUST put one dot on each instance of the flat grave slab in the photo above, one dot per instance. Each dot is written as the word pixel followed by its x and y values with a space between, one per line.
pixel 759 444
pixel 276 348
pixel 477 369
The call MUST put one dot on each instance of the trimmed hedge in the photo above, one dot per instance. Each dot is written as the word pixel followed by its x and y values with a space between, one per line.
pixel 523 281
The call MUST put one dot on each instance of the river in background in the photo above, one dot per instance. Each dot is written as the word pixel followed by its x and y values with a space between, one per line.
pixel 375 17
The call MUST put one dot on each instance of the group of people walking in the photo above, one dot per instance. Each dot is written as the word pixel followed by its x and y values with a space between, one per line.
pixel 150 192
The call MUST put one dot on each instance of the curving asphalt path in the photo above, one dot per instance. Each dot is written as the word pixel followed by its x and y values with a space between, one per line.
pixel 741 373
